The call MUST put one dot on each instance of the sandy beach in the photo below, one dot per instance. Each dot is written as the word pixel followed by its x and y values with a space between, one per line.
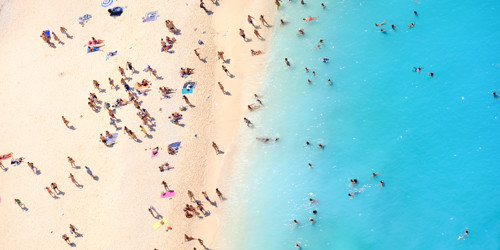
pixel 40 84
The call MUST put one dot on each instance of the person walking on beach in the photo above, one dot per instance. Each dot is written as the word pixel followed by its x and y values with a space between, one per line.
pixel 263 21
pixel 203 6
pixel 66 238
pixel 256 32
pixel 90 172
pixel 219 193
pixel 165 185
pixel 287 62
pixel 33 168
pixel 130 67
pixel 201 243
pixel 50 192
pixel 72 177
pixel 242 34
pixel 187 100
pixel 216 148
pixel 144 130
pixel 65 121
pixel 73 229
pixel 220 55
pixel 250 20
pixel 188 238
pixel 112 83
pixel 197 54
pixel 248 122
pixel 56 38
pixel 72 162
pixel 110 112
pixel 55 188
pixel 19 203
pixel 226 70
pixel 96 85
pixel 64 31
pixel 221 88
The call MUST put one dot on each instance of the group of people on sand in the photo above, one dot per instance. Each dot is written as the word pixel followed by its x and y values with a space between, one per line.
pixel 46 36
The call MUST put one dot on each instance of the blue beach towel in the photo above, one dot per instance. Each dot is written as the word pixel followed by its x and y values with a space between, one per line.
pixel 95 49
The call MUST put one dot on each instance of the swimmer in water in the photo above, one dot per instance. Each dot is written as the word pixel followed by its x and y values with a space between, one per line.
pixel 282 22
pixel 393 27
pixel 311 200
pixel 320 146
pixel 380 24
pixel 311 220
pixel 382 30
pixel 310 18
pixel 431 74
pixel 382 183
pixel 354 181
pixel 296 223
pixel 411 25
pixel 325 60
pixel 315 212
pixel 307 143
pixel 495 95
pixel 301 32
pixel 329 82
pixel 354 193
pixel 374 174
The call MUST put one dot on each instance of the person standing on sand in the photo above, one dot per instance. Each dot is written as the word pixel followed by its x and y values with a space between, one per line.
pixel 66 238
pixel 64 31
pixel 287 62
pixel 19 203
pixel 72 177
pixel 216 148
pixel 219 193
pixel 256 32
pixel 112 83
pixel 248 122
pixel 197 54
pixel 206 196
pixel 33 168
pixel 187 101
pixel 165 185
pixel 263 21
pixel 242 34
pixel 90 172
pixel 191 195
pixel 65 121
pixel 130 67
pixel 250 20
pixel 220 55
pixel 55 188
pixel 50 192
pixel 122 71
pixel 221 88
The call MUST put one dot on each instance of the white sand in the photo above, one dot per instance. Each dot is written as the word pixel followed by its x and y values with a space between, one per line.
pixel 39 84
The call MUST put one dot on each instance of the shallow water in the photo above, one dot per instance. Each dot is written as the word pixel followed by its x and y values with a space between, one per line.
pixel 434 141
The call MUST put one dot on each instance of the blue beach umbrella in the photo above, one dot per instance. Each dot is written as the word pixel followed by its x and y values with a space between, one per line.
pixel 106 3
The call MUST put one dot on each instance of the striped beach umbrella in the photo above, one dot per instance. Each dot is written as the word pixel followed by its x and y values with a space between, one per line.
pixel 106 3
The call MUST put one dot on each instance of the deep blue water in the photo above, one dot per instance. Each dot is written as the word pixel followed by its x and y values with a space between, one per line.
pixel 434 141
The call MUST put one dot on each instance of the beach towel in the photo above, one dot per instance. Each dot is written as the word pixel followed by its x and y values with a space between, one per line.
pixel 47 33
pixel 168 194
pixel 175 145
pixel 111 54
pixel 95 49
pixel 169 46
pixel 5 156
pixel 106 3
pixel 150 16
pixel 84 18
pixel 188 87
pixel 112 140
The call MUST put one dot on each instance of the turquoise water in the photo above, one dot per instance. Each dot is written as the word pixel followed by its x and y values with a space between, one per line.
pixel 434 141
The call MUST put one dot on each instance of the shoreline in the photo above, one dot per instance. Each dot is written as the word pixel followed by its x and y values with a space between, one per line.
pixel 112 211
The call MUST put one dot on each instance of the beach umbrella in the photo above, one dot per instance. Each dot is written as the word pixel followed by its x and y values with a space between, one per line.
pixel 106 3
